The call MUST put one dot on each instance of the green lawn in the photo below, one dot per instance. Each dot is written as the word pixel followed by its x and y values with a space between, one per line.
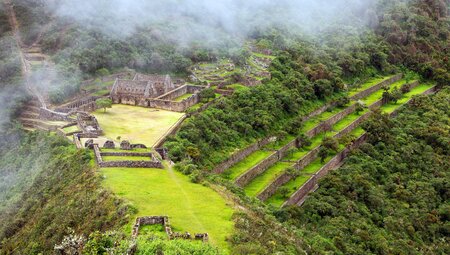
pixel 245 164
pixel 237 87
pixel 119 150
pixel 347 120
pixel 389 108
pixel 125 158
pixel 260 182
pixel 293 185
pixel 136 124
pixel 101 92
pixel 367 85
pixel 278 199
pixel 260 55
pixel 183 97
pixel 314 121
pixel 71 129
pixel 379 94
pixel 190 207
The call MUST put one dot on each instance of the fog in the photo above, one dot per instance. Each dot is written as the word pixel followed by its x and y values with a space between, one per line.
pixel 206 20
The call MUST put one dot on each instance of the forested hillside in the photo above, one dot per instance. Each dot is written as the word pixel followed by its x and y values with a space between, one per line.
pixel 307 74
pixel 392 195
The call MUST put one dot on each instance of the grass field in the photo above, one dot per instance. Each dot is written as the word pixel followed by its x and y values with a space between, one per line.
pixel 125 158
pixel 183 97
pixel 245 164
pixel 367 85
pixel 136 124
pixel 262 180
pixel 388 108
pixel 190 207
pixel 71 129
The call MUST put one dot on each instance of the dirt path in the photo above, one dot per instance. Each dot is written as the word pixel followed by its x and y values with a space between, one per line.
pixel 26 67
pixel 187 198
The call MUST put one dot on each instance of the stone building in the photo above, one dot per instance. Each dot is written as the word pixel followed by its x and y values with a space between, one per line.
pixel 141 88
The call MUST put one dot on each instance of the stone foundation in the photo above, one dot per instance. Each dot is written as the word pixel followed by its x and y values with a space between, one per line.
pixel 164 221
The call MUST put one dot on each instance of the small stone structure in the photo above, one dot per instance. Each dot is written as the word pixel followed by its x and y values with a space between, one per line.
pixel 152 162
pixel 109 144
pixel 125 145
pixel 88 124
pixel 164 221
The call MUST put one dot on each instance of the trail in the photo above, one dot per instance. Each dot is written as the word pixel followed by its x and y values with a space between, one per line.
pixel 188 203
pixel 26 67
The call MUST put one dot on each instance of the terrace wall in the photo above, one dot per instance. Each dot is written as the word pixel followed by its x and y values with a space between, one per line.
pixel 300 195
pixel 248 176
pixel 335 162
pixel 241 154
pixel 372 89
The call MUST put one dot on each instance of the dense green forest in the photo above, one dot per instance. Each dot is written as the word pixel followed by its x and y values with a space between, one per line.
pixel 392 195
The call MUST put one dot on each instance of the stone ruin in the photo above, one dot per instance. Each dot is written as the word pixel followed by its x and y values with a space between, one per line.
pixel 156 91
pixel 109 145
pixel 125 145
pixel 164 221
pixel 88 124
pixel 141 88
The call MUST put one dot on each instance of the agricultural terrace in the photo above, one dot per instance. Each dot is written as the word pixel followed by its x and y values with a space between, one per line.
pixel 191 207
pixel 136 124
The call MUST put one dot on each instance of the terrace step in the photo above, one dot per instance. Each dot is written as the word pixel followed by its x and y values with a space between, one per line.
pixel 311 184
pixel 260 171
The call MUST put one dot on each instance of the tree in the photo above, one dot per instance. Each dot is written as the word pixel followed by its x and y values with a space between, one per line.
pixel 359 107
pixel 193 152
pixel 396 95
pixel 284 191
pixel 207 94
pixel 104 103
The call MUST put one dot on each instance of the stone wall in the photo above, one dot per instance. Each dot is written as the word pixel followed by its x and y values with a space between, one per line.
pixel 372 89
pixel 238 156
pixel 86 104
pixel 171 131
pixel 47 114
pixel 153 162
pixel 326 124
pixel 174 93
pixel 173 105
pixel 164 221
pixel 335 162
pixel 131 164
pixel 248 176
pixel 241 154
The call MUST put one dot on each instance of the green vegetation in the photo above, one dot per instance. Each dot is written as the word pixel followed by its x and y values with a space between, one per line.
pixel 122 158
pixel 54 189
pixel 136 124
pixel 103 103
pixel 245 164
pixel 191 207
pixel 390 196
pixel 261 181
pixel 71 129
pixel 356 89
pixel 183 97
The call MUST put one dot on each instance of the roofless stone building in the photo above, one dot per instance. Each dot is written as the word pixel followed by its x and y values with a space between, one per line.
pixel 158 91
pixel 142 87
